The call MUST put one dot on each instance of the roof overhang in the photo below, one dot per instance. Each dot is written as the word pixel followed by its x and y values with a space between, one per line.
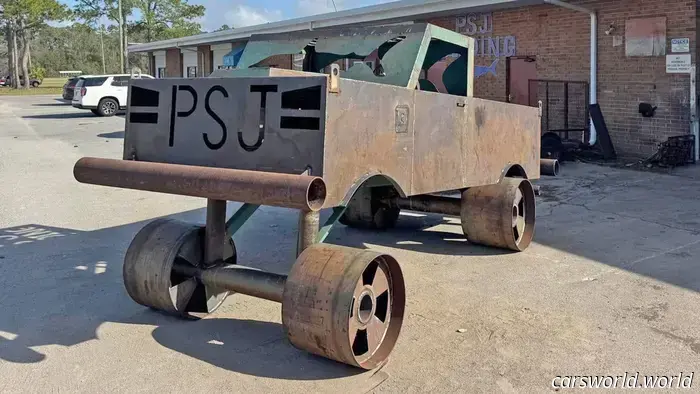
pixel 394 12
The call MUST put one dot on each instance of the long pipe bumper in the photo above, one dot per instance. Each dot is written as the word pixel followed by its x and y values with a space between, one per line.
pixel 254 187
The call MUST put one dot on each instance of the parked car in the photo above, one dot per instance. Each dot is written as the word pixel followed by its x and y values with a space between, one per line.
pixel 68 88
pixel 104 95
pixel 7 80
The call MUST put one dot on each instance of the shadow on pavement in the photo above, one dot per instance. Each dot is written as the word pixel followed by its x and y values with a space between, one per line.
pixel 69 115
pixel 60 285
pixel 415 233
pixel 57 104
pixel 66 115
pixel 251 347
pixel 114 134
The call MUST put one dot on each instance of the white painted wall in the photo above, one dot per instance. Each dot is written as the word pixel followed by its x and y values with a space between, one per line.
pixel 220 50
pixel 189 59
pixel 160 63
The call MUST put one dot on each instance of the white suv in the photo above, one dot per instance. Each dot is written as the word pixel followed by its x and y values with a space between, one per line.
pixel 104 95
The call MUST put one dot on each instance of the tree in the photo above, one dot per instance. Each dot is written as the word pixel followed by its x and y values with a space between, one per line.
pixel 224 27
pixel 163 19
pixel 93 10
pixel 20 18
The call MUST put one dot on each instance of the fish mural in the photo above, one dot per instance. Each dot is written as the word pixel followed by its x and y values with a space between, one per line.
pixel 483 70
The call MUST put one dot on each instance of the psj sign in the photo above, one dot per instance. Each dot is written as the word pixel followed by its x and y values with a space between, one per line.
pixel 480 27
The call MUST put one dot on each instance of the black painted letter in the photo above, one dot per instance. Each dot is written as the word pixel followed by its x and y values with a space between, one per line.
pixel 263 90
pixel 215 88
pixel 180 114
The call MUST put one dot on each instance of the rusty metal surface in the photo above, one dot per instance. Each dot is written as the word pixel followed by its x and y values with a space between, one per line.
pixel 255 187
pixel 245 280
pixel 446 142
pixel 214 231
pixel 501 215
pixel 148 269
pixel 428 203
pixel 345 304
pixel 308 228
pixel 361 136
pixel 425 142
pixel 549 167
pixel 263 123
pixel 464 142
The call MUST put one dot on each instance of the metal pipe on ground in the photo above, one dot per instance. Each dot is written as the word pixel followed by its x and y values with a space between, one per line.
pixel 549 167
pixel 428 203
pixel 254 187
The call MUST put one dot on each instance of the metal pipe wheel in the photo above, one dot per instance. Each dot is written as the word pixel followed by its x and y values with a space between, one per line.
pixel 345 304
pixel 500 215
pixel 148 272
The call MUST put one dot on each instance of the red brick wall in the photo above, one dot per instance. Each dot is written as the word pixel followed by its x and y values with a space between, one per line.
pixel 559 40
pixel 173 63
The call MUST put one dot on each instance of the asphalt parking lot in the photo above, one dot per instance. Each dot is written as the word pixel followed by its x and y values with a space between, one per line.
pixel 610 284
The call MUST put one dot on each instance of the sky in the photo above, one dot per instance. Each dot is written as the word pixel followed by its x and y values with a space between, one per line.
pixel 240 13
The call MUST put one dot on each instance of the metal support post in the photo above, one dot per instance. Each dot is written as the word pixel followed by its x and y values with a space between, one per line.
pixel 308 229
pixel 215 231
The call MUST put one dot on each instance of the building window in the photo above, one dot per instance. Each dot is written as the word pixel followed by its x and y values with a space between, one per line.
pixel 161 72
pixel 191 72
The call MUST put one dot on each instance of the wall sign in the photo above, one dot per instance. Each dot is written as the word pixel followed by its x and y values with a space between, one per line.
pixel 480 27
pixel 678 64
pixel 680 45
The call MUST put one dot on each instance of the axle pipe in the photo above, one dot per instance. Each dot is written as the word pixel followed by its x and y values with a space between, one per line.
pixel 239 279
pixel 254 187
pixel 427 203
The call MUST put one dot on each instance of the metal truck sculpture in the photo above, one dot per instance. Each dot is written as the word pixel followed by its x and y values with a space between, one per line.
pixel 364 142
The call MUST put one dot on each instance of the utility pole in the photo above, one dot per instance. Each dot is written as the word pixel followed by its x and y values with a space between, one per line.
pixel 121 36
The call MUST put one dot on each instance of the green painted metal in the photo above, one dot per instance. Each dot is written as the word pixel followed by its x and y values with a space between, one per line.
pixel 398 64
pixel 257 50
pixel 239 218
pixel 402 52
pixel 325 230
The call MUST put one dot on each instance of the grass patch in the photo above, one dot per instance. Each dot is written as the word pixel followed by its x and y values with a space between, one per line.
pixel 53 82
pixel 5 91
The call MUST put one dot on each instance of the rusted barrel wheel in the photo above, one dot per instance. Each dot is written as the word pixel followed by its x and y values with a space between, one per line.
pixel 344 304
pixel 150 280
pixel 500 215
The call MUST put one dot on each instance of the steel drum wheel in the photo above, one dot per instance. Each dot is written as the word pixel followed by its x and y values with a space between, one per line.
pixel 345 304
pixel 500 215
pixel 148 263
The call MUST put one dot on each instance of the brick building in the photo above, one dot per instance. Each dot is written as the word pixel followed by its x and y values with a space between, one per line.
pixel 527 50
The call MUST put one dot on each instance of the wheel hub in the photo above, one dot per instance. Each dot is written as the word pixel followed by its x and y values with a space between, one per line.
pixel 366 306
